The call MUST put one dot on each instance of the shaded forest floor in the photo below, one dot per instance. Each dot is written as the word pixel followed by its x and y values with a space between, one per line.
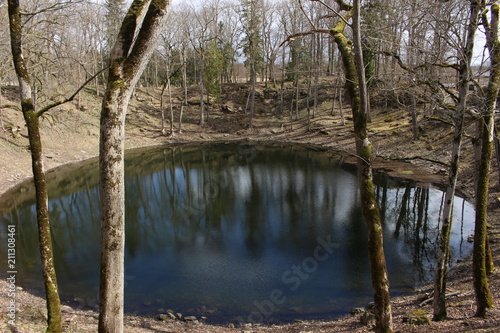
pixel 70 135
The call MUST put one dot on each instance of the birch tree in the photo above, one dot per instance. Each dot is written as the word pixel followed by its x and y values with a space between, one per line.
pixel 134 46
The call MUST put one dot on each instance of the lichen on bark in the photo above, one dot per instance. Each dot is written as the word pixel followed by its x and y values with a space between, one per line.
pixel 371 212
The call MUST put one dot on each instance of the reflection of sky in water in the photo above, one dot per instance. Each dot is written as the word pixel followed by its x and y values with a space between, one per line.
pixel 214 232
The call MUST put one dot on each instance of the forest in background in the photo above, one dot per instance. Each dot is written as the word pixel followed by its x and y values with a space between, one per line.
pixel 410 49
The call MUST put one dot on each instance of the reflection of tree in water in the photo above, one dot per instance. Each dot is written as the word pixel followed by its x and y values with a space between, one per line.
pixel 415 223
pixel 182 201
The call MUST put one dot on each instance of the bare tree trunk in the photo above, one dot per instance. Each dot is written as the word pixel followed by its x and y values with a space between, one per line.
pixel 439 305
pixel 308 103
pixel 341 106
pixel 180 118
pixel 356 85
pixel 291 114
pixel 162 107
pixel 316 83
pixel 135 44
pixel 253 77
pixel 202 90
pixel 414 114
pixel 335 94
pixel 78 98
pixel 184 75
pixel 1 103
pixel 35 143
pixel 495 139
pixel 297 98
pixel 169 88
pixel 484 300
pixel 166 86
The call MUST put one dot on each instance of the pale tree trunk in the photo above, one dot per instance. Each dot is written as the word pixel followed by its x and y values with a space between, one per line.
pixel 308 97
pixel 135 44
pixel 356 86
pixel 1 103
pixel 180 118
pixel 162 108
pixel 297 97
pixel 414 112
pixel 184 75
pixel 439 305
pixel 253 78
pixel 166 86
pixel 316 83
pixel 341 106
pixel 78 99
pixel 484 300
pixel 495 139
pixel 202 89
pixel 169 89
pixel 35 143
pixel 282 87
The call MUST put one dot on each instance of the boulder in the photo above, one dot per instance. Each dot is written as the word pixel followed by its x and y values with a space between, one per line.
pixel 191 319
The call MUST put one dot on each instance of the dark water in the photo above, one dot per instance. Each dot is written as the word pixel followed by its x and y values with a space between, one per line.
pixel 236 232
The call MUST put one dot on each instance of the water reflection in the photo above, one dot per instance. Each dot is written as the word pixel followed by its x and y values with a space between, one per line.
pixel 219 231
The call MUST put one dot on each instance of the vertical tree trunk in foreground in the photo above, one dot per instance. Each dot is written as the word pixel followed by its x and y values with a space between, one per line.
pixel 135 44
pixel 439 304
pixel 35 143
pixel 356 87
pixel 483 295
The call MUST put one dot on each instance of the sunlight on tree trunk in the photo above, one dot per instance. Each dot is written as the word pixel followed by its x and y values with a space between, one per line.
pixel 35 144
pixel 356 86
pixel 134 46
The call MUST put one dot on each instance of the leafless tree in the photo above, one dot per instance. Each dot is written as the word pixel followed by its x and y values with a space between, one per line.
pixel 134 45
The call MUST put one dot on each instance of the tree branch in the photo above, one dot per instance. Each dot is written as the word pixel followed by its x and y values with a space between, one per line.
pixel 342 6
pixel 307 33
pixel 155 15
pixel 70 98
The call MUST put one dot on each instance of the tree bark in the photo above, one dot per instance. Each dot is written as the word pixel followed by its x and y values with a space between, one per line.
pixel 54 323
pixel 135 44
pixel 356 86
pixel 495 139
pixel 439 304
pixel 202 89
pixel 253 78
pixel 483 295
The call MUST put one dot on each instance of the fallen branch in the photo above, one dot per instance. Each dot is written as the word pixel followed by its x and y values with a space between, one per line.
pixel 431 297
pixel 415 158
pixel 440 120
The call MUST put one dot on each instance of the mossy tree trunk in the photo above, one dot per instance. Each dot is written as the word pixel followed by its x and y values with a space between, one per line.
pixel 31 118
pixel 133 48
pixel 356 87
pixel 479 260
pixel 439 305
